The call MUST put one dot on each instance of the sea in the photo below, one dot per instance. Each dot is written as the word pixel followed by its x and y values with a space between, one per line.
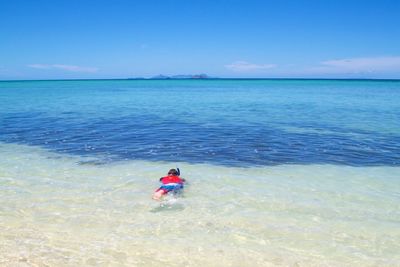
pixel 280 172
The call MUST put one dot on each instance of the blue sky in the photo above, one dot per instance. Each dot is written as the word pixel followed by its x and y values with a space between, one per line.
pixel 66 39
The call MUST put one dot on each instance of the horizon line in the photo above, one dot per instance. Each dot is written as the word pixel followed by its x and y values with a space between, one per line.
pixel 197 79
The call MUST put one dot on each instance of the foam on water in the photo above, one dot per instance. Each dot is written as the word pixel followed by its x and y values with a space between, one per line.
pixel 56 211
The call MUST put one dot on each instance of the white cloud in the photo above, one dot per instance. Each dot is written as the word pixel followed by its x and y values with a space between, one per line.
pixel 244 66
pixel 360 65
pixel 70 68
pixel 39 66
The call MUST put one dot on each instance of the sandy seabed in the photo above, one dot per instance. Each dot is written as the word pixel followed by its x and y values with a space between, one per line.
pixel 61 210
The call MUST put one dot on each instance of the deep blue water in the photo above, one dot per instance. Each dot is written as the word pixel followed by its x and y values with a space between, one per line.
pixel 221 122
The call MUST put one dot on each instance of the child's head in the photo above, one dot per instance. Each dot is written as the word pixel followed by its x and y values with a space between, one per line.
pixel 173 172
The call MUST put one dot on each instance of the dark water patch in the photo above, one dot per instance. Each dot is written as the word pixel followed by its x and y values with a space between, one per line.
pixel 151 138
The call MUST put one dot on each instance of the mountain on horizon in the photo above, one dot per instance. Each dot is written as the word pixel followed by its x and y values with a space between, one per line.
pixel 181 76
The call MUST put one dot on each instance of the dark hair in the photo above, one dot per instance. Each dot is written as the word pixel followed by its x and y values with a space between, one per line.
pixel 173 172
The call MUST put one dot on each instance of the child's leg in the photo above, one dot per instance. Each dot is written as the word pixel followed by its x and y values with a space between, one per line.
pixel 158 194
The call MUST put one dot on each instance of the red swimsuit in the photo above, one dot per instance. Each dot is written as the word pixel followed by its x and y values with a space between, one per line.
pixel 170 183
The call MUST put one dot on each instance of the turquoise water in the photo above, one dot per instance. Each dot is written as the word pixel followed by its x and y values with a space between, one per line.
pixel 220 122
pixel 281 172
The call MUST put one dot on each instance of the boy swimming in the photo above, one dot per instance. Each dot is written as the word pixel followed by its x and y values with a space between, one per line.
pixel 170 183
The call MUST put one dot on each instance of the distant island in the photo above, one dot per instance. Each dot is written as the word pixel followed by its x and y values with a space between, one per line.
pixel 177 77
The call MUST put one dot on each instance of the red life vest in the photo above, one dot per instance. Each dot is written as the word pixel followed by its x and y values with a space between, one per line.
pixel 171 179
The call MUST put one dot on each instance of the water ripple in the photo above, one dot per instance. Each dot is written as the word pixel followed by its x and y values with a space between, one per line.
pixel 154 138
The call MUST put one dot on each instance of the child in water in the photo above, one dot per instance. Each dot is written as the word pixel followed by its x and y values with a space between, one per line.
pixel 170 183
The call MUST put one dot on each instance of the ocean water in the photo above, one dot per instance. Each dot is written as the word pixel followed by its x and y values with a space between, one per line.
pixel 280 173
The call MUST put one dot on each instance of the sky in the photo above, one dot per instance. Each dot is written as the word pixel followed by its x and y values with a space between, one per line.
pixel 105 39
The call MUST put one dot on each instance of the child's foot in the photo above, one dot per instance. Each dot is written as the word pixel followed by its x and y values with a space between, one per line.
pixel 157 195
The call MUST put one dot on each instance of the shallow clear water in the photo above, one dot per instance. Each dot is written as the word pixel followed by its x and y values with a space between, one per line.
pixel 281 173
